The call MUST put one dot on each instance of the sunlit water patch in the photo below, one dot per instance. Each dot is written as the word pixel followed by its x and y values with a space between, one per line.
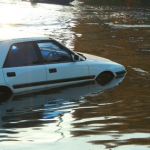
pixel 140 71
pixel 127 25
pixel 53 20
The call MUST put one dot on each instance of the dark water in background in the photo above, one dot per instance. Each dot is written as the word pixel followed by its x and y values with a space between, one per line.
pixel 88 116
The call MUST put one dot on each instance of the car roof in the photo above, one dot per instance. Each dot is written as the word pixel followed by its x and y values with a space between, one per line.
pixel 6 35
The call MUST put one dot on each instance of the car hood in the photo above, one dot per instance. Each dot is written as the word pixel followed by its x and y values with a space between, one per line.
pixel 97 58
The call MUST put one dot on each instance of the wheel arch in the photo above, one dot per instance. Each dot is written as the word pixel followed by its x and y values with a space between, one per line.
pixel 106 72
pixel 105 77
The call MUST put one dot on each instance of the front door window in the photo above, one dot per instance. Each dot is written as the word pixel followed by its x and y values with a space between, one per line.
pixel 54 53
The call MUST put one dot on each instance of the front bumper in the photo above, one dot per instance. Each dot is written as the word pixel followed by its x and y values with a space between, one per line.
pixel 120 73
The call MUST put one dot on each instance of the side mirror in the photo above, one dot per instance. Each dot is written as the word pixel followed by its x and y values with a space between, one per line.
pixel 76 58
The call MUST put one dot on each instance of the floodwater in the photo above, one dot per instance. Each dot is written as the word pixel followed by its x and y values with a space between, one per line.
pixel 87 116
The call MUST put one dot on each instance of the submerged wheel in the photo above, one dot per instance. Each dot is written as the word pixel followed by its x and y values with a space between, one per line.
pixel 5 90
pixel 5 94
pixel 105 77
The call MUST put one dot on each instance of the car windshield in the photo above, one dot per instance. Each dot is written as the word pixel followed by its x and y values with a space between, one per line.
pixel 82 56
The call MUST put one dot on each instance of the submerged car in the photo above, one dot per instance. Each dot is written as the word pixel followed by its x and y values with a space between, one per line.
pixel 31 63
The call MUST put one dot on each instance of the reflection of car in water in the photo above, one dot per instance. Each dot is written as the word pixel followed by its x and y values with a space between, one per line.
pixel 46 104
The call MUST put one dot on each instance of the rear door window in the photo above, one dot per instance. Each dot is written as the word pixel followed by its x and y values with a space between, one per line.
pixel 22 54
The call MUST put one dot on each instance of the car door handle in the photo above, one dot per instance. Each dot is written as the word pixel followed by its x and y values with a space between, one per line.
pixel 11 74
pixel 53 70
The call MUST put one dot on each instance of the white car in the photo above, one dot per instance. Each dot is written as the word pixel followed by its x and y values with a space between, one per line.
pixel 31 63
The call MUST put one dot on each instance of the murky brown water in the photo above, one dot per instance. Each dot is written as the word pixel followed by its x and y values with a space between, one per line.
pixel 90 116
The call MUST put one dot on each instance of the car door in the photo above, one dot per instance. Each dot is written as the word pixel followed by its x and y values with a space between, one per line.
pixel 60 67
pixel 23 70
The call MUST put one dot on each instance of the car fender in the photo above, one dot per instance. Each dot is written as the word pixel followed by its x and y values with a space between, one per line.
pixel 96 67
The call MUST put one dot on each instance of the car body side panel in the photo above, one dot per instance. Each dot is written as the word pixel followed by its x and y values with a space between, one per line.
pixel 65 73
pixel 25 78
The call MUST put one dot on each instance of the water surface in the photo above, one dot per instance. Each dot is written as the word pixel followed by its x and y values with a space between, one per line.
pixel 91 116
